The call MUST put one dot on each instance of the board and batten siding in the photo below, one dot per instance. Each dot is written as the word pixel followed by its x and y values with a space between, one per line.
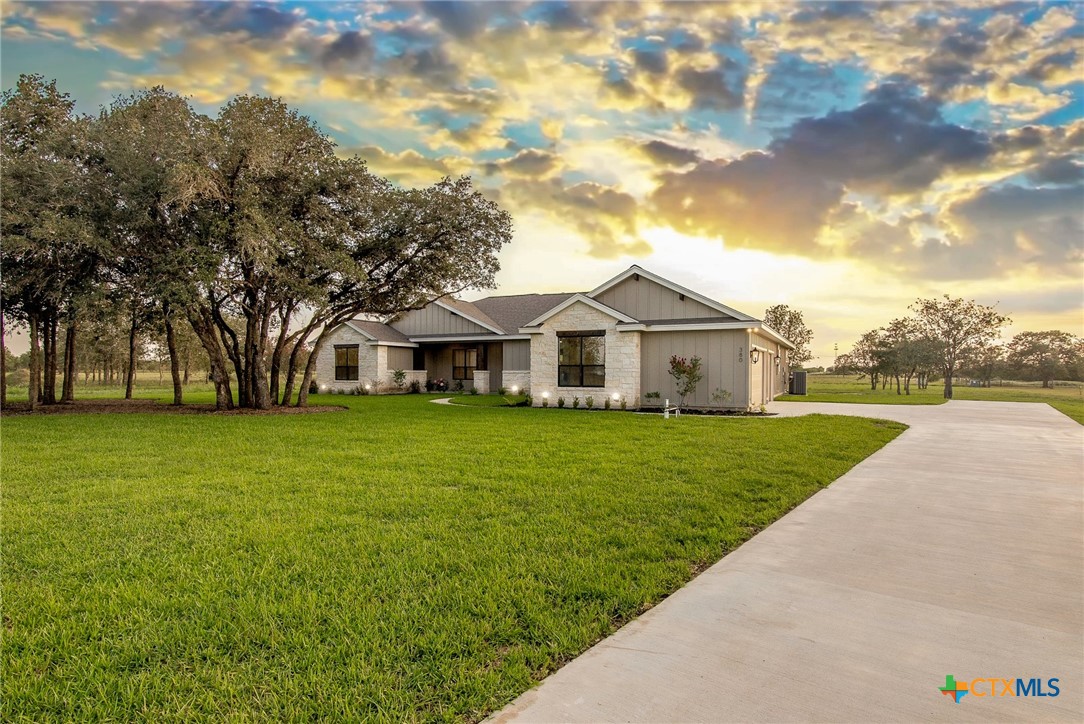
pixel 773 379
pixel 719 352
pixel 400 358
pixel 517 355
pixel 648 300
pixel 434 319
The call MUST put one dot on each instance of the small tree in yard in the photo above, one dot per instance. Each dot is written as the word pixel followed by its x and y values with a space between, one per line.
pixel 687 375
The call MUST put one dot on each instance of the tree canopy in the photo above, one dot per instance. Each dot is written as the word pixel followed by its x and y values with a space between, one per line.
pixel 247 227
pixel 790 323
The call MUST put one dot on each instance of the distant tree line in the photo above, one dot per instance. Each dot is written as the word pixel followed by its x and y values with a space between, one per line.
pixel 244 230
pixel 949 337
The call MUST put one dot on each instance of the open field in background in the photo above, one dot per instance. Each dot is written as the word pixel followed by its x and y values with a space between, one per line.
pixel 397 561
pixel 1067 397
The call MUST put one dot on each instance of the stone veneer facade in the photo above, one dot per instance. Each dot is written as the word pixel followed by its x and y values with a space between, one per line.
pixel 622 358
pixel 516 378
pixel 372 364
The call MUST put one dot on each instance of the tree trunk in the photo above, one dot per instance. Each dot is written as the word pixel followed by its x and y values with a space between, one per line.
pixel 310 367
pixel 174 363
pixel 948 384
pixel 1047 385
pixel 68 394
pixel 3 364
pixel 898 385
pixel 130 380
pixel 35 361
pixel 260 392
pixel 276 354
pixel 48 391
pixel 204 326
pixel 295 356
pixel 873 381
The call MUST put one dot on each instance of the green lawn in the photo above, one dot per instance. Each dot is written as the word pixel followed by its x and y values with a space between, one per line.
pixel 487 400
pixel 1068 398
pixel 396 561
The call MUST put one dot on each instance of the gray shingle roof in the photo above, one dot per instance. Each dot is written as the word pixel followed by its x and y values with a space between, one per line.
pixel 470 309
pixel 379 331
pixel 515 311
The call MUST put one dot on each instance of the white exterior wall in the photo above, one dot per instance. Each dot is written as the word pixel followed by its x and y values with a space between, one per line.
pixel 368 360
pixel 372 365
pixel 622 358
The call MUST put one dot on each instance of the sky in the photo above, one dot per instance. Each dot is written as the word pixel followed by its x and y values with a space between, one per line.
pixel 841 158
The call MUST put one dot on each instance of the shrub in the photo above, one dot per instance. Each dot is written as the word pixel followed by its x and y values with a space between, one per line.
pixel 528 401
pixel 589 401
pixel 502 391
pixel 560 402
pixel 652 395
pixel 429 384
pixel 720 396
pixel 313 387
pixel 474 390
pixel 575 402
pixel 687 375
pixel 399 377
pixel 416 387
pixel 545 402
pixel 624 404
pixel 607 404
pixel 459 385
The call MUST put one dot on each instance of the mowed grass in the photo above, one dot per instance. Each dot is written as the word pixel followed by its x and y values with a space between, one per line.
pixel 396 561
pixel 1067 398
pixel 487 400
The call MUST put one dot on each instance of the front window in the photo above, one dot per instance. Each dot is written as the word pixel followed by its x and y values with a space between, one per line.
pixel 346 362
pixel 464 362
pixel 581 359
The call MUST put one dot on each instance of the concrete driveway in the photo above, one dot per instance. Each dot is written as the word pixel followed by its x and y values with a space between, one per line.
pixel 957 550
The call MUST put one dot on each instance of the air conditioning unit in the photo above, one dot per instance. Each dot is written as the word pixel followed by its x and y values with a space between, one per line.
pixel 797 382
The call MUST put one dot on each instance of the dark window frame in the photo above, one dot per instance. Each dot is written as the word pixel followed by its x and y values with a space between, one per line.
pixel 580 371
pixel 464 371
pixel 342 372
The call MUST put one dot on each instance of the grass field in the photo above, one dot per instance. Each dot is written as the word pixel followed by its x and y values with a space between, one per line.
pixel 399 560
pixel 487 400
pixel 1068 398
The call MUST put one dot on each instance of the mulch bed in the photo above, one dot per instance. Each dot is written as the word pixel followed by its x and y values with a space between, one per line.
pixel 151 406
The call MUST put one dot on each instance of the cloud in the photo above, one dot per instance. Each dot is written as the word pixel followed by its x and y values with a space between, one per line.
pixel 667 154
pixel 1061 170
pixel 893 144
pixel 1001 228
pixel 409 168
pixel 351 47
pixel 528 163
pixel 605 216
pixel 721 87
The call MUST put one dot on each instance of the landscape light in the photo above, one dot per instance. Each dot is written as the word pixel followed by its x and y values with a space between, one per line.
pixel 323 387
pixel 545 395
pixel 368 386
pixel 515 389
pixel 615 396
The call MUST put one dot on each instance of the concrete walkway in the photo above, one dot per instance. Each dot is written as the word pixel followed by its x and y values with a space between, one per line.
pixel 956 549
